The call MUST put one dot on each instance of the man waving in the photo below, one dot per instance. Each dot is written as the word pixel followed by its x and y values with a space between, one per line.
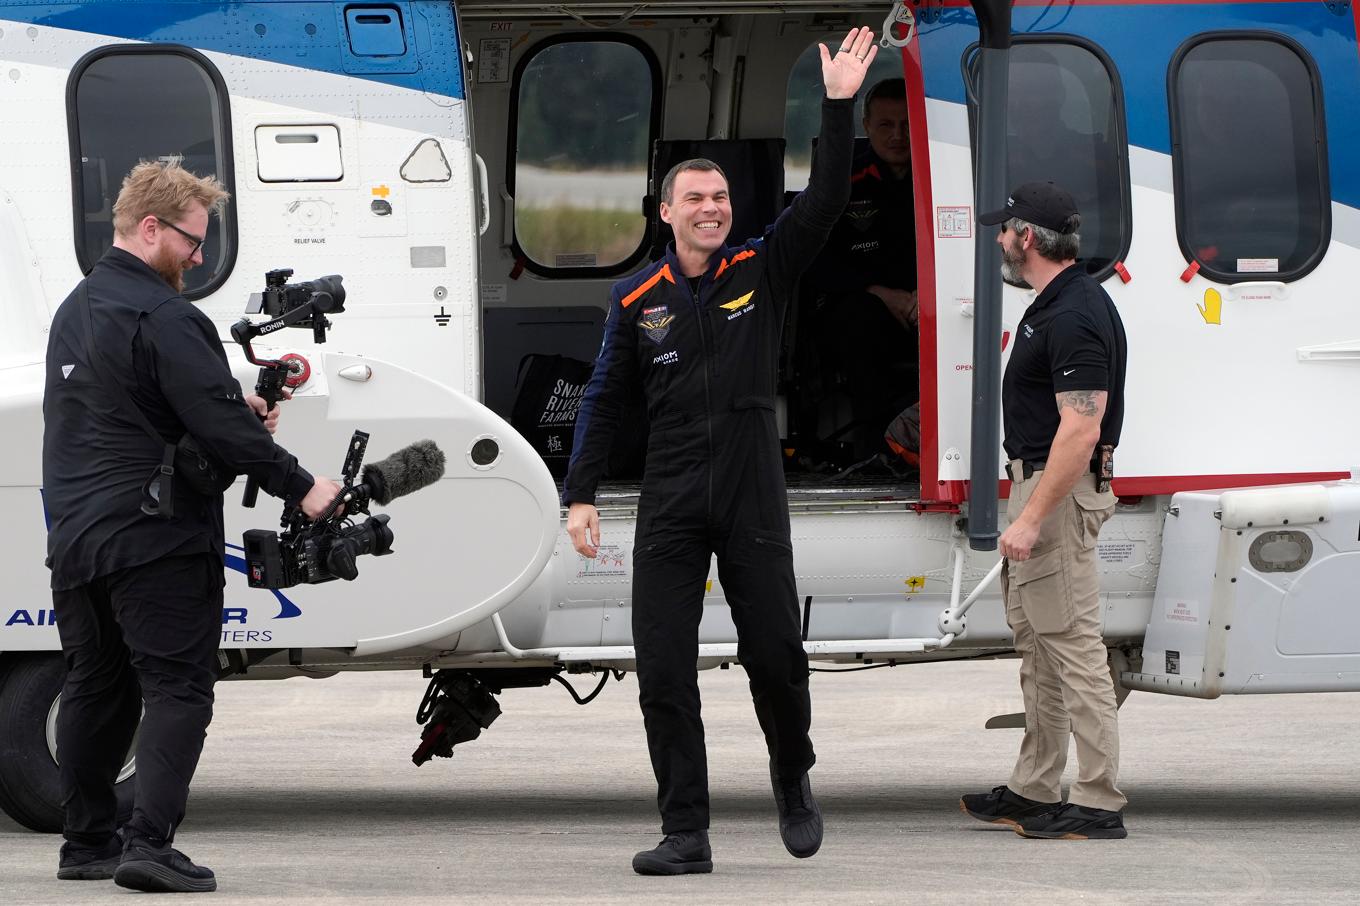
pixel 699 331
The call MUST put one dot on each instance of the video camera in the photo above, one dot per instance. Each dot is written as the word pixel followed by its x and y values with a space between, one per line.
pixel 303 304
pixel 307 553
pixel 287 305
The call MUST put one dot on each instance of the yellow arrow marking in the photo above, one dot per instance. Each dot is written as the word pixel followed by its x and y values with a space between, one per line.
pixel 738 303
pixel 1212 309
pixel 915 584
pixel 381 191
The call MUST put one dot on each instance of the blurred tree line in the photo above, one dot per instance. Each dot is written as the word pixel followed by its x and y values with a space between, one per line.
pixel 585 105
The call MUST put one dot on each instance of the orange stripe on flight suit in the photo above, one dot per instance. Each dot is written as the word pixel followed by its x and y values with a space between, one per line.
pixel 651 281
pixel 739 256
pixel 871 170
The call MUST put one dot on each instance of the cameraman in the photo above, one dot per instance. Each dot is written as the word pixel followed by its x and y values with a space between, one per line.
pixel 138 596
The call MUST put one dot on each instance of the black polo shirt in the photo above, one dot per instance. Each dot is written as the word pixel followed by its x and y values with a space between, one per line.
pixel 167 355
pixel 1071 338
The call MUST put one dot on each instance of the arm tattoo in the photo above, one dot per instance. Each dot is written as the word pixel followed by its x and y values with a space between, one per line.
pixel 1083 401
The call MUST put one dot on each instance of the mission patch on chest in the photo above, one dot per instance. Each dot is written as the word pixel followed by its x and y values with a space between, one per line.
pixel 656 322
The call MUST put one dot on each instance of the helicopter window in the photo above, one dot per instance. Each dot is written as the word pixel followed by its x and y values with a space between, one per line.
pixel 1249 157
pixel 586 111
pixel 1065 123
pixel 803 107
pixel 130 103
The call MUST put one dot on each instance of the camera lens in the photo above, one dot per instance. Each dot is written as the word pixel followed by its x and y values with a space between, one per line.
pixel 329 286
pixel 371 537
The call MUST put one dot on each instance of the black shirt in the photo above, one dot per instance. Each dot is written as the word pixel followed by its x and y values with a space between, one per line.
pixel 1071 338
pixel 96 457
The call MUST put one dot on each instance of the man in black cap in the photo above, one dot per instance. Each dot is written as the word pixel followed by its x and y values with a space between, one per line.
pixel 1062 407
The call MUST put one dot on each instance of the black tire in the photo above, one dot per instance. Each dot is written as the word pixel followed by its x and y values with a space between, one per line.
pixel 30 789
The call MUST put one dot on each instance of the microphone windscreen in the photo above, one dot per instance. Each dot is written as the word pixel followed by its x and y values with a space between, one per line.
pixel 405 471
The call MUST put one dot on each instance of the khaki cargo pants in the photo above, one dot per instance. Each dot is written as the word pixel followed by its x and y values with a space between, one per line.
pixel 1053 607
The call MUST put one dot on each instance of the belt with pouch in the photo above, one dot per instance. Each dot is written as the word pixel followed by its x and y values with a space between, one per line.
pixel 1029 468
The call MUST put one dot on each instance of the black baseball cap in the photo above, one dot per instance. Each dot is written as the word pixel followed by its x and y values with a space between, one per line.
pixel 1044 204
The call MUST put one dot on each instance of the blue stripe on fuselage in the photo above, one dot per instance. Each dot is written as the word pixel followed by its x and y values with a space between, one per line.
pixel 1141 39
pixel 272 31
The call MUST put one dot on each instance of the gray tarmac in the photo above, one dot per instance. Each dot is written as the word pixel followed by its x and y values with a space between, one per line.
pixel 306 793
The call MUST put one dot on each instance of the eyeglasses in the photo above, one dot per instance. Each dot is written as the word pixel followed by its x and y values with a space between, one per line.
pixel 197 241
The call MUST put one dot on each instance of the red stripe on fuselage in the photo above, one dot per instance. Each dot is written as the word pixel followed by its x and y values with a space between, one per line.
pixel 925 267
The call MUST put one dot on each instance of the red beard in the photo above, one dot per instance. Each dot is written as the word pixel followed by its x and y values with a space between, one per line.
pixel 171 269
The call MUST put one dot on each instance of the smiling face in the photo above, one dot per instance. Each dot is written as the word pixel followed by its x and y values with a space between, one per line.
pixel 700 211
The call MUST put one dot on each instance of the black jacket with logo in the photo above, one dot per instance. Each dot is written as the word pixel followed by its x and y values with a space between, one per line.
pixel 874 241
pixel 167 355
pixel 707 359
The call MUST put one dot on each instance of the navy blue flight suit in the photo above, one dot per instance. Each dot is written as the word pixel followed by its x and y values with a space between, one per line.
pixel 706 357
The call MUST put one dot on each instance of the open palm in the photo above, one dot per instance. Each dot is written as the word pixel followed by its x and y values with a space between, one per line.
pixel 844 73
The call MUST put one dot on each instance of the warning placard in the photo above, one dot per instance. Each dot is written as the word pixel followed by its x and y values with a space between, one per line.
pixel 610 560
pixel 954 222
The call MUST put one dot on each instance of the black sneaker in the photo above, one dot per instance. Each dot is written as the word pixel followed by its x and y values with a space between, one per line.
pixel 681 853
pixel 1074 822
pixel 1001 806
pixel 160 869
pixel 800 819
pixel 85 863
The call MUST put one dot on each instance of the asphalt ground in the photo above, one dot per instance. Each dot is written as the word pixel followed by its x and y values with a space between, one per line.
pixel 306 793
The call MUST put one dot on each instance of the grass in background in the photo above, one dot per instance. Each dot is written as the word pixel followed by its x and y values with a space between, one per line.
pixel 545 233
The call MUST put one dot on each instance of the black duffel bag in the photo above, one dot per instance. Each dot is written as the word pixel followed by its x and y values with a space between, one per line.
pixel 548 399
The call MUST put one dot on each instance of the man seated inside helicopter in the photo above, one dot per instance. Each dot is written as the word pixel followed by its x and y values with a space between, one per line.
pixel 857 337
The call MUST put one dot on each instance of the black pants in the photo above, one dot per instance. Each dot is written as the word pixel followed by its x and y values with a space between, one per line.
pixel 755 568
pixel 146 635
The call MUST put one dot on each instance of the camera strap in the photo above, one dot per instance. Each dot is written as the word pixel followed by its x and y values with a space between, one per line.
pixel 158 496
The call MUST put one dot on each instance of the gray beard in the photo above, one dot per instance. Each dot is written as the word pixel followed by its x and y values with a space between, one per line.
pixel 1010 267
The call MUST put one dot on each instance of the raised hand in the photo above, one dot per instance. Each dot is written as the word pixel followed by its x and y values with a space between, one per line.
pixel 844 73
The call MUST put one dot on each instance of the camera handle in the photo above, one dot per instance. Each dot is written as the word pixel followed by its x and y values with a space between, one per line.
pixel 274 373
